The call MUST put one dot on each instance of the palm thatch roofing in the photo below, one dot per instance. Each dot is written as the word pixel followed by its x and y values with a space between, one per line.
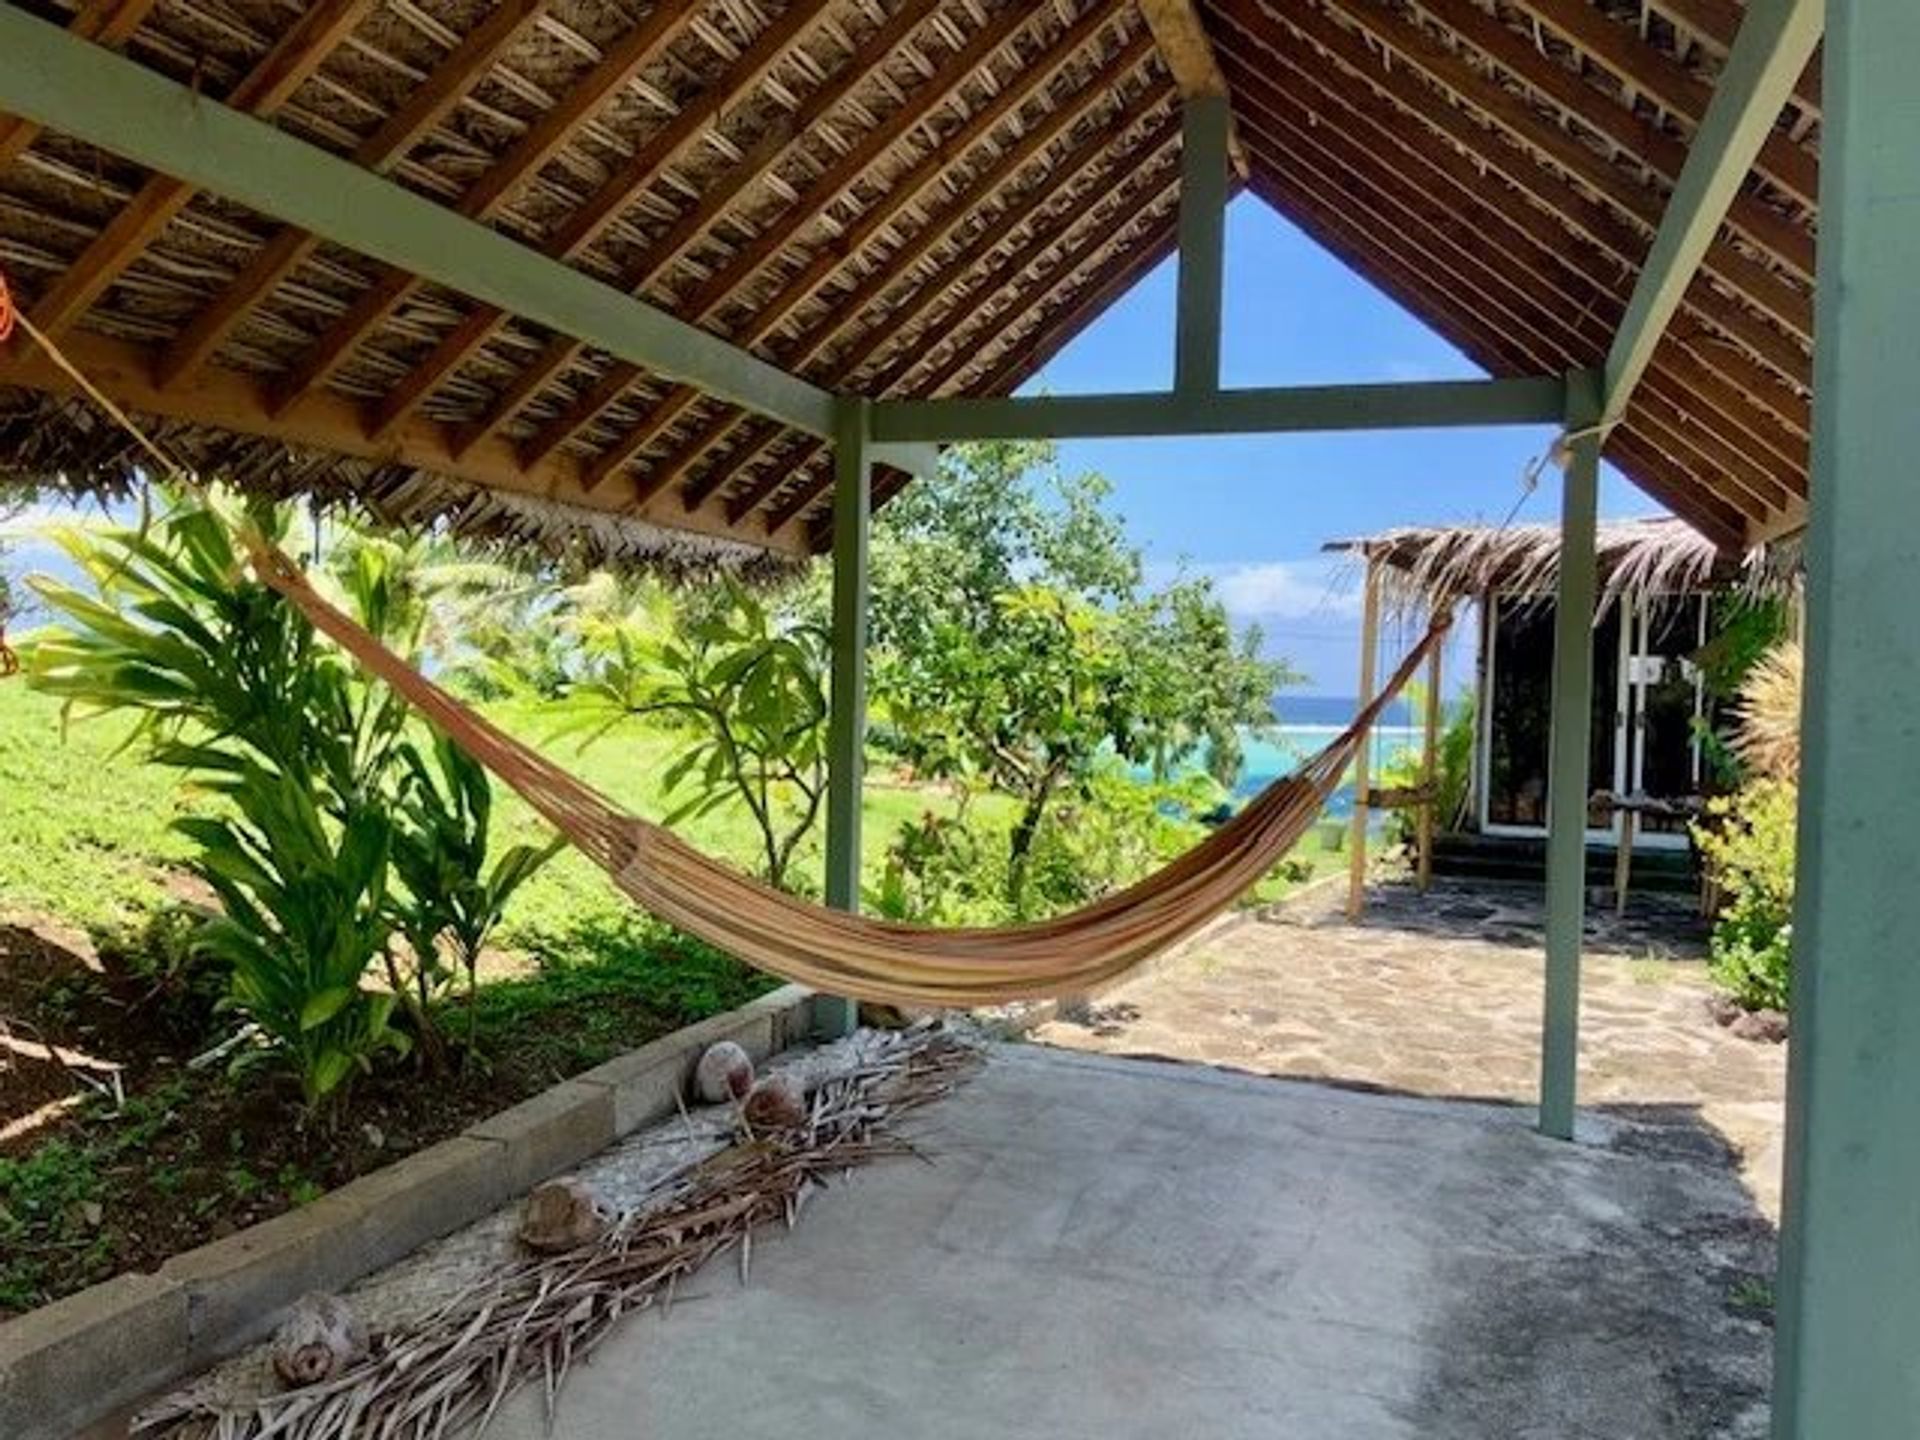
pixel 1422 568
pixel 888 197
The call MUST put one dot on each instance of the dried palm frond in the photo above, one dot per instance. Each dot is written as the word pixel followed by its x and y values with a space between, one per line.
pixel 531 1321
pixel 1425 567
pixel 1768 739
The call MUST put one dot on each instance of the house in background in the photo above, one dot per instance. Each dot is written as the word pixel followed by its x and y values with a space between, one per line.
pixel 1672 607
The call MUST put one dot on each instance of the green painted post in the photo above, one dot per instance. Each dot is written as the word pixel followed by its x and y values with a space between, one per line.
pixel 847 725
pixel 1204 123
pixel 1567 752
pixel 1848 1340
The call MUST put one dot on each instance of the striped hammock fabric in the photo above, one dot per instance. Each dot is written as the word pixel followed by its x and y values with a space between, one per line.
pixel 846 954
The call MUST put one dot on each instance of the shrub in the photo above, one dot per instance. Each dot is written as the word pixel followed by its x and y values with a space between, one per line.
pixel 1747 842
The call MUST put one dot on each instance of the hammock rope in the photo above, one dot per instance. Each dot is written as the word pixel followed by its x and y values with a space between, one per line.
pixel 834 950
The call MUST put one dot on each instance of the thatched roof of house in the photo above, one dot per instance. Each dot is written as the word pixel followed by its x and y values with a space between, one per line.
pixel 1423 567
pixel 888 197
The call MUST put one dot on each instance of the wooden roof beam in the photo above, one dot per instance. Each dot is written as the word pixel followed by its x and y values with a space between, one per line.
pixel 261 92
pixel 89 93
pixel 105 22
pixel 703 304
pixel 902 260
pixel 1539 152
pixel 1772 48
pixel 1718 21
pixel 1457 242
pixel 1787 243
pixel 426 105
pixel 588 222
pixel 1618 48
pixel 231 400
pixel 1535 241
pixel 781 140
pixel 541 142
pixel 1181 37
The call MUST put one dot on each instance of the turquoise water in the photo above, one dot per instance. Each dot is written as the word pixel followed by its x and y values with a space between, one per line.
pixel 1267 760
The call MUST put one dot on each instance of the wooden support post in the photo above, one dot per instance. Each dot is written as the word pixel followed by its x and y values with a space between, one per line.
pixel 1846 1359
pixel 847 724
pixel 1362 760
pixel 1204 124
pixel 1430 770
pixel 1567 757
pixel 1623 860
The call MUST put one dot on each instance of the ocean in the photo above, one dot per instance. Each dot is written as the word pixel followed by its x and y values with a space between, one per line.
pixel 1308 722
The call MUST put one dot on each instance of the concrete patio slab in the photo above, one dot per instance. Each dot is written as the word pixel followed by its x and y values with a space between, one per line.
pixel 1110 1248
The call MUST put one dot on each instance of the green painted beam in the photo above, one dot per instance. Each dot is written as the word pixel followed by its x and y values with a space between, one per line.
pixel 1205 122
pixel 1419 405
pixel 1776 40
pixel 847 722
pixel 921 459
pixel 70 85
pixel 1848 1334
pixel 1568 746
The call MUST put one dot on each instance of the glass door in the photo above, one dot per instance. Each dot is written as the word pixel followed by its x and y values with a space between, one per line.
pixel 1665 701
pixel 1516 715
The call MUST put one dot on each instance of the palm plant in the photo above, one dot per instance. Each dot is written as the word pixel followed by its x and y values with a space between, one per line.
pixel 1769 733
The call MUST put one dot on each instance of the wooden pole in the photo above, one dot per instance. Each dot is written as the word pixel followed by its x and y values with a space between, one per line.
pixel 847 722
pixel 1846 1360
pixel 1357 835
pixel 1430 770
pixel 1569 741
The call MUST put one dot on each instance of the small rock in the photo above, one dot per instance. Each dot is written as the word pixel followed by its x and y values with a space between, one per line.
pixel 374 1136
pixel 564 1214
pixel 320 1337
pixel 1724 1009
pixel 777 1103
pixel 725 1072
pixel 1766 1026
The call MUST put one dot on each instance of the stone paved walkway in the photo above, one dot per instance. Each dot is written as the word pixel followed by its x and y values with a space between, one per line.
pixel 1440 995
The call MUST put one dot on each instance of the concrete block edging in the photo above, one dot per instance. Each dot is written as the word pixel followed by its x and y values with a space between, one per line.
pixel 67 1365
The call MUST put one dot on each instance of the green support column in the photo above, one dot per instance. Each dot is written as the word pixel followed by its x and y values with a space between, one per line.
pixel 1567 752
pixel 847 726
pixel 1848 1340
pixel 1204 126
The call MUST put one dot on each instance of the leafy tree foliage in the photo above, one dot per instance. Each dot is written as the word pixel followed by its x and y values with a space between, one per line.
pixel 1017 644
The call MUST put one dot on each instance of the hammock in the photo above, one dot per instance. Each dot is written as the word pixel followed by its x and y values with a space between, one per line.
pixel 832 950
pixel 846 954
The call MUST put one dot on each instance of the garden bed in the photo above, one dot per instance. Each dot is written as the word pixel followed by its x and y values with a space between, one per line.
pixel 92 1185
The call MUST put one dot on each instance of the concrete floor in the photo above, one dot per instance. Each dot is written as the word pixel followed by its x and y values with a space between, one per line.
pixel 1112 1248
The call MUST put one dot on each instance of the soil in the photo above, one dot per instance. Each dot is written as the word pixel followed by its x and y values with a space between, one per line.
pixel 183 1156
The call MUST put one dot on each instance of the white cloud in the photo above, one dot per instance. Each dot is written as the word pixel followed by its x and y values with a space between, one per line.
pixel 1318 589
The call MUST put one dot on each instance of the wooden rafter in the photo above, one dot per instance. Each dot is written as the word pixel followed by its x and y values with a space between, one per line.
pixel 288 247
pixel 1621 223
pixel 586 224
pixel 717 196
pixel 1718 21
pixel 934 168
pixel 229 400
pixel 1180 35
pixel 1785 242
pixel 633 52
pixel 261 92
pixel 1334 115
pixel 1619 49
pixel 1459 240
pixel 702 305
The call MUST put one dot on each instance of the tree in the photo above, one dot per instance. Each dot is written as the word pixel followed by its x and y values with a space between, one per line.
pixel 1016 643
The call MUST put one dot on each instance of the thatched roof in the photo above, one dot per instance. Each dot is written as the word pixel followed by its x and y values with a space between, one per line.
pixel 889 197
pixel 1423 567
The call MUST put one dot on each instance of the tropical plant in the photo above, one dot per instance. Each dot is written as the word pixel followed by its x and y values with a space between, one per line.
pixel 748 684
pixel 1015 642
pixel 306 915
pixel 452 898
pixel 1747 841
pixel 1768 738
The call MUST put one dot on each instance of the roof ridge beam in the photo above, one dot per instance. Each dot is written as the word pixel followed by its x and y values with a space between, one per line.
pixel 1180 34
pixel 1775 42
pixel 82 90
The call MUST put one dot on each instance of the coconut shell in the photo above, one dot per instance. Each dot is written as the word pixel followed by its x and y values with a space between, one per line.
pixel 777 1103
pixel 563 1214
pixel 320 1337
pixel 724 1074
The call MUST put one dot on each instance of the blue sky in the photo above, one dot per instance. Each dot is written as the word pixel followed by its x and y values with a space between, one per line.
pixel 1253 512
